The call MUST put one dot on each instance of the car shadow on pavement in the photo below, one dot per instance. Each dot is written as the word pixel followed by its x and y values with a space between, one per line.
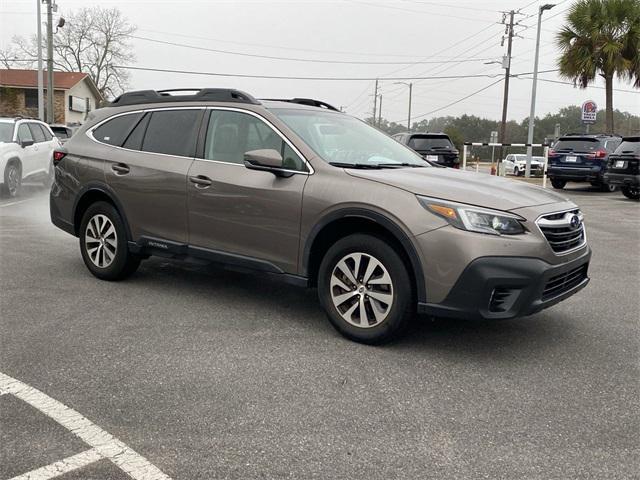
pixel 285 307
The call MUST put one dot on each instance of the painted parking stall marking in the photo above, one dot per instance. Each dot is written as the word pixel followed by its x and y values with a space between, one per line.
pixel 104 445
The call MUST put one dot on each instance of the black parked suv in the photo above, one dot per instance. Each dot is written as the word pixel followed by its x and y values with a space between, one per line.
pixel 434 147
pixel 623 168
pixel 581 158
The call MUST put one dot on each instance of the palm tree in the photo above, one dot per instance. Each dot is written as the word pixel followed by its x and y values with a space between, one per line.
pixel 601 37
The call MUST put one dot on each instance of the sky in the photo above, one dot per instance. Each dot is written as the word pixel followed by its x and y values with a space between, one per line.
pixel 341 36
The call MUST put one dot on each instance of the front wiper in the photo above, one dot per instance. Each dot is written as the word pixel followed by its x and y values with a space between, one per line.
pixel 363 166
pixel 391 165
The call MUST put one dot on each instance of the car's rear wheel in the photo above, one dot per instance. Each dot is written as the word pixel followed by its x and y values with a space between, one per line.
pixel 631 192
pixel 103 243
pixel 365 289
pixel 12 180
pixel 558 184
pixel 605 187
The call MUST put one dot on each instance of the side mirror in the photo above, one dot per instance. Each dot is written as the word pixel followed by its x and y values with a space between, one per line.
pixel 266 160
pixel 26 143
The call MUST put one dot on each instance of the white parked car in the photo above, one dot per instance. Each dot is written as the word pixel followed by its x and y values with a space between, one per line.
pixel 516 163
pixel 26 150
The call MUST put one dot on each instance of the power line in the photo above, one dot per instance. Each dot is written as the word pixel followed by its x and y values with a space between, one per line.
pixel 288 77
pixel 456 101
pixel 291 59
pixel 431 13
pixel 521 77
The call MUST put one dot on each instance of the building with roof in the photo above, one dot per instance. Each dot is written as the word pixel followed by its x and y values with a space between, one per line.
pixel 74 95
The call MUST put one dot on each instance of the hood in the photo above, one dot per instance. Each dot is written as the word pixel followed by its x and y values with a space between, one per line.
pixel 464 187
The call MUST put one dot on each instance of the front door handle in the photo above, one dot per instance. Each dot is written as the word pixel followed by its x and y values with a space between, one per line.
pixel 200 181
pixel 120 168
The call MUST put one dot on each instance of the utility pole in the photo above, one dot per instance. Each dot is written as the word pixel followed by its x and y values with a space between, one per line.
pixel 375 103
pixel 507 74
pixel 380 111
pixel 532 114
pixel 40 73
pixel 409 114
pixel 50 116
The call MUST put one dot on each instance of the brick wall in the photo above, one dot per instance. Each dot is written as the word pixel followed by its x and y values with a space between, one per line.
pixel 12 104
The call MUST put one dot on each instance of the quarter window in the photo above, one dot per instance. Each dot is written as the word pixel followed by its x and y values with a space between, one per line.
pixel 172 132
pixel 114 131
pixel 231 134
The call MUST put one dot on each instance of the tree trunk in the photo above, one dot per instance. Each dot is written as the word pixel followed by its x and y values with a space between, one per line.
pixel 609 94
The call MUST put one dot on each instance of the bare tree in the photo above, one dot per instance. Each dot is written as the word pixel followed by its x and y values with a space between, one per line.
pixel 94 40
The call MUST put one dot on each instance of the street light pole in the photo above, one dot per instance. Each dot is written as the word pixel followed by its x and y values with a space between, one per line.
pixel 410 85
pixel 40 73
pixel 50 86
pixel 532 114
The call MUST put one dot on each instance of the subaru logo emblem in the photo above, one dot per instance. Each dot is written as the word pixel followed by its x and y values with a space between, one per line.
pixel 574 222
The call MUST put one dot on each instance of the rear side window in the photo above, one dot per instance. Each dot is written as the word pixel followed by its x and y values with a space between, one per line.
pixel 172 132
pixel 134 141
pixel 577 144
pixel 60 132
pixel 24 134
pixel 629 145
pixel 36 132
pixel 424 142
pixel 114 131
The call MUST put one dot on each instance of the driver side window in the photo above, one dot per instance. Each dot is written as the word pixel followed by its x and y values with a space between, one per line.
pixel 24 134
pixel 230 134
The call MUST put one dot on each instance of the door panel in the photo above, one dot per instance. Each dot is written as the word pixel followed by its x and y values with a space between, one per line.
pixel 246 212
pixel 241 211
pixel 152 185
pixel 29 154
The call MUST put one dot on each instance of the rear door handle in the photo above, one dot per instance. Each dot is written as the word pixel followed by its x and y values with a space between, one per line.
pixel 200 181
pixel 120 169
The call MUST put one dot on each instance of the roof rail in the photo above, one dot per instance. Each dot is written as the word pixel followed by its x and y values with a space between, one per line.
pixel 305 101
pixel 202 95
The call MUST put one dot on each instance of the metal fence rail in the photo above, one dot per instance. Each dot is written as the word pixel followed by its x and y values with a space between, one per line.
pixel 491 144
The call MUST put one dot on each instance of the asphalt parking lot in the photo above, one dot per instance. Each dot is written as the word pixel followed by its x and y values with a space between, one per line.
pixel 207 374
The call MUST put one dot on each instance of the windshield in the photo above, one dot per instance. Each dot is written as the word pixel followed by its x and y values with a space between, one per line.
pixel 346 141
pixel 577 145
pixel 424 142
pixel 6 132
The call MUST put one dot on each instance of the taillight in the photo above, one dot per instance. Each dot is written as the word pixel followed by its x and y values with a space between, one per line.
pixel 552 153
pixel 57 156
pixel 599 154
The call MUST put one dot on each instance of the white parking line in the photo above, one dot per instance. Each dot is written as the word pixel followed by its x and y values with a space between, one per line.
pixel 61 467
pixel 105 444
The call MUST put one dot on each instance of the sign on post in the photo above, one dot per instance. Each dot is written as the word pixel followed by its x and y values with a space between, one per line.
pixel 589 112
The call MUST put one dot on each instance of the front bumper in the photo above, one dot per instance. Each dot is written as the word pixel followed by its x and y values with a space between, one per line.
pixel 508 287
pixel 623 179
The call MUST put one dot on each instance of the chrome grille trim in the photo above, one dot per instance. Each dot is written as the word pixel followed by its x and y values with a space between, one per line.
pixel 562 237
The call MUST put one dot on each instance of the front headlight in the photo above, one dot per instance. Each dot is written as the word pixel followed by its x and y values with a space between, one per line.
pixel 474 219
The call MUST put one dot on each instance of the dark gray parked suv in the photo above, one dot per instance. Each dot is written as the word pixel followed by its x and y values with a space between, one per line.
pixel 299 191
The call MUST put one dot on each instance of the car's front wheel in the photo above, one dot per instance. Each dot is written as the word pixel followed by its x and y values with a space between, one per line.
pixel 516 171
pixel 365 289
pixel 605 187
pixel 12 180
pixel 558 184
pixel 631 192
pixel 103 243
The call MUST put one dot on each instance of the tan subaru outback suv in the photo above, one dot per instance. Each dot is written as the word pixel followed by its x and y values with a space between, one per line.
pixel 296 190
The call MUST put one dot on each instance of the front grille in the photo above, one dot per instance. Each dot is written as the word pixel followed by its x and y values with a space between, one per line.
pixel 564 282
pixel 564 231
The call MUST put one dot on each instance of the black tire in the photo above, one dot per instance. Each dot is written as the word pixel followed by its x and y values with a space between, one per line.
pixel 12 179
pixel 605 187
pixel 122 263
pixel 558 184
pixel 632 193
pixel 516 171
pixel 401 308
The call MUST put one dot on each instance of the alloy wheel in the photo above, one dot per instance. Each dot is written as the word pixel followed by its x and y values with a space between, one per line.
pixel 13 180
pixel 361 290
pixel 101 240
